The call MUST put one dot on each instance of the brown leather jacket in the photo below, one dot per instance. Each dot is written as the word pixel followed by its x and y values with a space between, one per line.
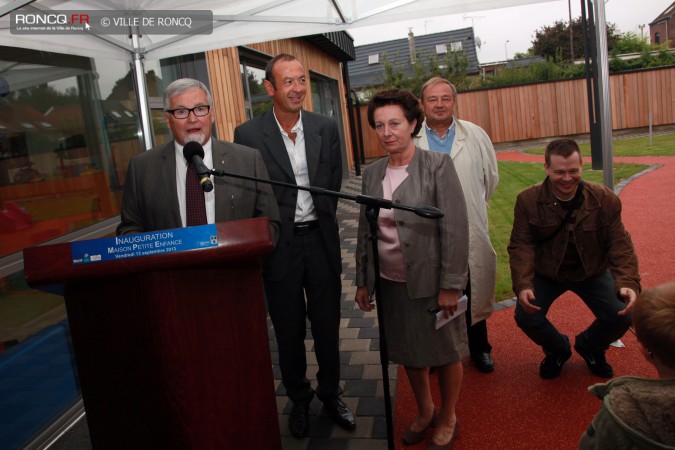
pixel 601 239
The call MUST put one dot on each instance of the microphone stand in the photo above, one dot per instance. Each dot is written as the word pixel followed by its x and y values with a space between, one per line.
pixel 428 212
pixel 373 206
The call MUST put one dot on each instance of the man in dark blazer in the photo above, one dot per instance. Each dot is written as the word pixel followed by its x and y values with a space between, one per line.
pixel 154 190
pixel 303 148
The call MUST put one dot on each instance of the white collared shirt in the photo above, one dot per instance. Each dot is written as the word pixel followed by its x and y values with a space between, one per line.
pixel 297 153
pixel 181 174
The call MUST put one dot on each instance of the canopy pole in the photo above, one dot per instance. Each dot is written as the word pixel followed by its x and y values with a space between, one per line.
pixel 603 84
pixel 142 90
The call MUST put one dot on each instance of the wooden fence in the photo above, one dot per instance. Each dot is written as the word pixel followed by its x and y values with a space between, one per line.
pixel 558 108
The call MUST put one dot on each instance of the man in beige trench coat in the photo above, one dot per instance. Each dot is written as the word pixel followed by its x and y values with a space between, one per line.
pixel 476 164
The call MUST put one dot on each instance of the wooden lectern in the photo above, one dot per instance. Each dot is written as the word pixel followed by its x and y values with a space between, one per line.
pixel 172 350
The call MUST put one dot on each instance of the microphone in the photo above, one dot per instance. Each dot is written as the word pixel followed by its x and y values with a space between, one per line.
pixel 194 153
pixel 429 212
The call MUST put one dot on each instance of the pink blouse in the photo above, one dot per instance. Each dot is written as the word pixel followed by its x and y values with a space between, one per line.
pixel 392 266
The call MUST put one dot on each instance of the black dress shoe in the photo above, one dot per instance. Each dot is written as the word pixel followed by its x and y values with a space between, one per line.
pixel 340 413
pixel 595 361
pixel 483 362
pixel 298 421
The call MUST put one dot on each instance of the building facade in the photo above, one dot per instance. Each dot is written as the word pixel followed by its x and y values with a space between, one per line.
pixel 68 127
pixel 662 29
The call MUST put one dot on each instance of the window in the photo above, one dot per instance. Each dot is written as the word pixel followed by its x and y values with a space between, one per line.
pixel 252 70
pixel 61 144
pixel 160 74
pixel 441 49
pixel 326 100
pixel 324 96
pixel 62 152
pixel 62 173
pixel 374 59
pixel 456 46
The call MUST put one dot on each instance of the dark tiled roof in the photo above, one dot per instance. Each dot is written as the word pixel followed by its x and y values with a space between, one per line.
pixel 362 74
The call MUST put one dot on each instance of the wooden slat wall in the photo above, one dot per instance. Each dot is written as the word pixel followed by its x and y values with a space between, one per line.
pixel 558 108
pixel 227 89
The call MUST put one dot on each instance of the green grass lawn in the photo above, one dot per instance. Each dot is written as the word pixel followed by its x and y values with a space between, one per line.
pixel 662 145
pixel 513 178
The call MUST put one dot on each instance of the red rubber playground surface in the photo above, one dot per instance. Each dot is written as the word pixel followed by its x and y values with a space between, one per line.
pixel 513 408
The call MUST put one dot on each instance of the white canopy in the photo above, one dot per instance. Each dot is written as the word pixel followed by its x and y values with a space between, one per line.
pixel 235 22
pixel 240 22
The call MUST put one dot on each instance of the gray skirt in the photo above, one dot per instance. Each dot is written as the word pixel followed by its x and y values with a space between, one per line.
pixel 412 339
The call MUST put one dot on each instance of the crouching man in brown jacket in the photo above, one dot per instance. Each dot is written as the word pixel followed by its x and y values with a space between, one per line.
pixel 568 236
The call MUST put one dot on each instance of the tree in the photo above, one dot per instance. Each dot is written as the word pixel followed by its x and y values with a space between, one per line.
pixel 528 54
pixel 452 67
pixel 629 43
pixel 553 42
pixel 655 55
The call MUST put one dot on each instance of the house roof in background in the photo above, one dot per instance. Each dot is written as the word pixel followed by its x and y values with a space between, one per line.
pixel 665 15
pixel 363 74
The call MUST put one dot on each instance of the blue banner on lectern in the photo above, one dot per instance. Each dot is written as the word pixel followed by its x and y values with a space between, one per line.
pixel 144 244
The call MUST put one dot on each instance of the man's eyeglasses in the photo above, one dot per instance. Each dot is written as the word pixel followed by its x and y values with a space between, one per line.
pixel 183 113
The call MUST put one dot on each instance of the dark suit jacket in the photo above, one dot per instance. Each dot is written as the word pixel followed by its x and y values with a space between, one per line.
pixel 324 163
pixel 150 199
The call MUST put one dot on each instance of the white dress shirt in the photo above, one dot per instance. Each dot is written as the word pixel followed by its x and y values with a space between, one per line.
pixel 304 207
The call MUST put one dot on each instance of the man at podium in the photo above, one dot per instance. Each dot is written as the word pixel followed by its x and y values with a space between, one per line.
pixel 163 190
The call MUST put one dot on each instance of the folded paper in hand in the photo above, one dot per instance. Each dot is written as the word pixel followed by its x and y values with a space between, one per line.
pixel 461 309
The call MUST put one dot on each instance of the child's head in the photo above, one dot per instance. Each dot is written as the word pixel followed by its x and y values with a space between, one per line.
pixel 654 323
